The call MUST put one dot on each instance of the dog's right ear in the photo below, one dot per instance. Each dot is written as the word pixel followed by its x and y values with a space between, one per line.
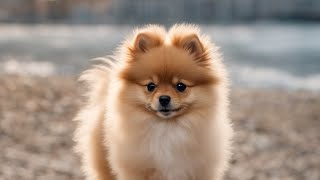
pixel 145 41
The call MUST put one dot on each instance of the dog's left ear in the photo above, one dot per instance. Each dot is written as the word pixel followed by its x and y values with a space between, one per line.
pixel 191 43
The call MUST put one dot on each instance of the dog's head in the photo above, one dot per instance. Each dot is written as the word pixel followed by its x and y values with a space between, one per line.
pixel 169 74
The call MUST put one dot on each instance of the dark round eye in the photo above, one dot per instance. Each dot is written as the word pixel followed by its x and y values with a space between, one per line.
pixel 181 87
pixel 151 86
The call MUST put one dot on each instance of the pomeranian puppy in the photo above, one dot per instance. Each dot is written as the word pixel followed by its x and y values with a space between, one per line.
pixel 157 110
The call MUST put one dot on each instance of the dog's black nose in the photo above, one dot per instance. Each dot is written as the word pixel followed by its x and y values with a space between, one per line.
pixel 164 100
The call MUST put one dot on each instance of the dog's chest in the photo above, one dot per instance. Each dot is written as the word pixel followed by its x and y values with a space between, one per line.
pixel 166 139
pixel 171 148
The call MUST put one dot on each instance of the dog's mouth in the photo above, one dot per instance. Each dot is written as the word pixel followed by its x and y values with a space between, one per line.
pixel 165 111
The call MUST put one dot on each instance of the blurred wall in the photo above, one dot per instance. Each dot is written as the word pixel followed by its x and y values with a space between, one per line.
pixel 162 11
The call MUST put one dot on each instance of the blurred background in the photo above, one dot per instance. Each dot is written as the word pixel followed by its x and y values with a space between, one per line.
pixel 271 49
pixel 265 42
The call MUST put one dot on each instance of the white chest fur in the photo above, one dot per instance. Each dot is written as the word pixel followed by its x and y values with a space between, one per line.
pixel 175 150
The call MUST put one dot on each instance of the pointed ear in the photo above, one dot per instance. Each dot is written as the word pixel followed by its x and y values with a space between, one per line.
pixel 144 41
pixel 191 43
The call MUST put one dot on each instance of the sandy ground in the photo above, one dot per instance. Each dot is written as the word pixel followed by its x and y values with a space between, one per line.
pixel 277 132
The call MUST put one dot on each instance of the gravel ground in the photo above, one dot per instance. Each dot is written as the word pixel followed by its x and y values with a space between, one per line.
pixel 277 132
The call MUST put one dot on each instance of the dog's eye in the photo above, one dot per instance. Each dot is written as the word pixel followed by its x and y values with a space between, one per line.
pixel 151 86
pixel 181 87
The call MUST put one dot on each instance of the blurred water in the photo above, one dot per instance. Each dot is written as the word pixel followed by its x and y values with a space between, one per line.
pixel 259 55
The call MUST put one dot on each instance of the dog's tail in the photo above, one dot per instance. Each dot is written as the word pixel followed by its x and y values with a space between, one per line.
pixel 89 134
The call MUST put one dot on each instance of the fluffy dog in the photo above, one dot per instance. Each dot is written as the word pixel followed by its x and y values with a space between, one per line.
pixel 157 110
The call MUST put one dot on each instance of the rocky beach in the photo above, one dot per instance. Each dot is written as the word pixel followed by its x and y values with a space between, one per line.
pixel 277 131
